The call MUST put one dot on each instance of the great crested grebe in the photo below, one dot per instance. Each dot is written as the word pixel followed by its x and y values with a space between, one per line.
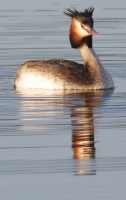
pixel 64 74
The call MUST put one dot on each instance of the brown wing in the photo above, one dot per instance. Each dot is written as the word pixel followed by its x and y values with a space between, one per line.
pixel 71 71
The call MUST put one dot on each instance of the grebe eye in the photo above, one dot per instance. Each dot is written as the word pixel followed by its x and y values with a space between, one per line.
pixel 82 26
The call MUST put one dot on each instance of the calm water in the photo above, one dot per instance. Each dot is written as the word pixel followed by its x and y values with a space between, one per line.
pixel 54 145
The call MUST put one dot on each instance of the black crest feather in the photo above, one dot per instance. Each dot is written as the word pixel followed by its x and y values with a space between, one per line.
pixel 73 13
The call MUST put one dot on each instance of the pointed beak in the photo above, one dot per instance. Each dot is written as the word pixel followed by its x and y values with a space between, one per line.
pixel 91 31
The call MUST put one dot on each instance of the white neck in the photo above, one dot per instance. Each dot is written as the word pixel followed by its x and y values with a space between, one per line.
pixel 89 57
pixel 101 77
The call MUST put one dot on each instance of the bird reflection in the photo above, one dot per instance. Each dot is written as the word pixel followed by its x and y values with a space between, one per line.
pixel 83 108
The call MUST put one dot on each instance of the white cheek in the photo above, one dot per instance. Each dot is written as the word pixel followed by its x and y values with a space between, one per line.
pixel 85 32
pixel 82 31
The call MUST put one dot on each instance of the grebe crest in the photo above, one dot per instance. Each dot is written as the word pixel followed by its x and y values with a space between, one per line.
pixel 65 74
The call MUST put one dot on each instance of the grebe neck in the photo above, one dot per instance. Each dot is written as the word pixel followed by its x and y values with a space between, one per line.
pixel 102 80
pixel 91 60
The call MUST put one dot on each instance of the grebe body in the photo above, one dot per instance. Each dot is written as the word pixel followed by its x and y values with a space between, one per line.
pixel 68 75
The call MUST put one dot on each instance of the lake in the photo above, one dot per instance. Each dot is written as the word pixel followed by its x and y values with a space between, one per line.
pixel 56 145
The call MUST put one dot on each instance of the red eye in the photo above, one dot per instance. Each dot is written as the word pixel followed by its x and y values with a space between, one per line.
pixel 82 26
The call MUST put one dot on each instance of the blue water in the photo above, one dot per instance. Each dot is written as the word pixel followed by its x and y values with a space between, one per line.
pixel 54 145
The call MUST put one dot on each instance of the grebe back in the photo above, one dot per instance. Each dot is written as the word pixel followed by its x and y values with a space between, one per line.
pixel 64 74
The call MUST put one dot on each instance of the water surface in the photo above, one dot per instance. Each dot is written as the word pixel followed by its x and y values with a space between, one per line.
pixel 61 145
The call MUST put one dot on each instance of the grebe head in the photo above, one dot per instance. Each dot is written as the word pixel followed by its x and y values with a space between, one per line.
pixel 81 29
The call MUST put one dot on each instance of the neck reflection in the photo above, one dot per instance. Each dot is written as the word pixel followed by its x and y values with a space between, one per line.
pixel 83 133
pixel 83 120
